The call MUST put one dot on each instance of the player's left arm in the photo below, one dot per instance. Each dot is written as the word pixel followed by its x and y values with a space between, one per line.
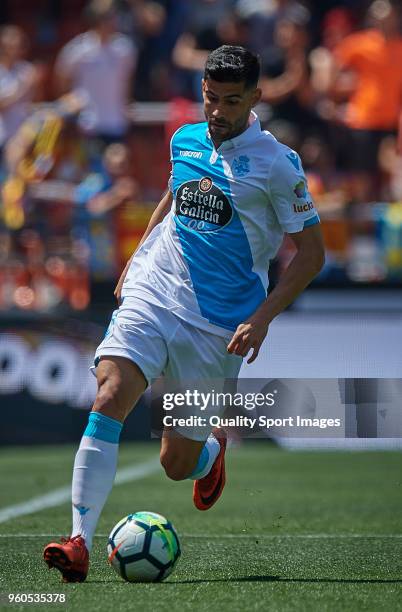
pixel 305 265
pixel 288 195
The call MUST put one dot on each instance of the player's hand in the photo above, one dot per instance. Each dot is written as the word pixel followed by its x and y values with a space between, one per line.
pixel 249 335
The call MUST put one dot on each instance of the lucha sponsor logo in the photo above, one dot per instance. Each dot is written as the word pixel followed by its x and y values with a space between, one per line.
pixel 298 208
pixel 195 154
pixel 202 206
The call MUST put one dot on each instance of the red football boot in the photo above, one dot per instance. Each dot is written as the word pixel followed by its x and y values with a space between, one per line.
pixel 207 490
pixel 71 558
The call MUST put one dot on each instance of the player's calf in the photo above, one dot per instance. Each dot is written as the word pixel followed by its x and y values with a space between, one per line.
pixel 203 462
pixel 175 466
pixel 179 455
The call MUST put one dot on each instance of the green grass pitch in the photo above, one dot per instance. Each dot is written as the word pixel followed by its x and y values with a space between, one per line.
pixel 299 531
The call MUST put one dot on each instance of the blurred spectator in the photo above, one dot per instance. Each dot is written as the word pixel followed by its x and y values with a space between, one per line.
pixel 50 174
pixel 285 80
pixel 367 91
pixel 157 26
pixel 100 63
pixel 42 228
pixel 70 204
pixel 151 17
pixel 97 199
pixel 390 165
pixel 212 23
pixel 140 18
pixel 263 16
pixel 97 193
pixel 18 80
pixel 337 24
pixel 112 186
pixel 34 152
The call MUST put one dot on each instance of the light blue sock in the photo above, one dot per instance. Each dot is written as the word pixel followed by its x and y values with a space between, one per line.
pixel 103 428
pixel 206 459
pixel 94 472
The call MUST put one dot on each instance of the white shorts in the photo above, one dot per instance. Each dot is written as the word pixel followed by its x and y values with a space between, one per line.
pixel 162 344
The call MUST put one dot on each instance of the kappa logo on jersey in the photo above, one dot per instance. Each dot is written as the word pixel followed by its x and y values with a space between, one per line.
pixel 202 206
pixel 241 165
pixel 195 154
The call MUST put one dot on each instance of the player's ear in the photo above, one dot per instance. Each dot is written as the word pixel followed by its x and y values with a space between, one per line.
pixel 256 96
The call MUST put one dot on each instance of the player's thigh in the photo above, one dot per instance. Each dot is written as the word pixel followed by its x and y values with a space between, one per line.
pixel 195 354
pixel 132 353
pixel 199 360
pixel 120 384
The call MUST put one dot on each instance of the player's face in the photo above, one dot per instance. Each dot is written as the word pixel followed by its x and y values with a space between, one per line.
pixel 227 108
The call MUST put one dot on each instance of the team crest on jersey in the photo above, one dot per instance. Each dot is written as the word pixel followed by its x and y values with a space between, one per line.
pixel 205 184
pixel 241 165
pixel 202 206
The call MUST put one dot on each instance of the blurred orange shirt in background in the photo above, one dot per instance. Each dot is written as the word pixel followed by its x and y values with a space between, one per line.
pixel 377 62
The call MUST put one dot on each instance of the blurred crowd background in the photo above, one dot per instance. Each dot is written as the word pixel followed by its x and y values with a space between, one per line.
pixel 90 94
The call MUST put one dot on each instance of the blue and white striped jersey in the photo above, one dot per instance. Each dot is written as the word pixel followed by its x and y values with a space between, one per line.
pixel 208 260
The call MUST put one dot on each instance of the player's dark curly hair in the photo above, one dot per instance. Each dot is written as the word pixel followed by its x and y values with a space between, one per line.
pixel 230 64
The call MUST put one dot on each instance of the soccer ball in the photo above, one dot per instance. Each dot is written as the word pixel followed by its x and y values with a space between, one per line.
pixel 143 547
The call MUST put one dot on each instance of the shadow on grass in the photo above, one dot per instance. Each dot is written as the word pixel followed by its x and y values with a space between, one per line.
pixel 293 580
pixel 268 579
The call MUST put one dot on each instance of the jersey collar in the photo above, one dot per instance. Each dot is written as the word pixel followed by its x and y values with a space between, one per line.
pixel 249 134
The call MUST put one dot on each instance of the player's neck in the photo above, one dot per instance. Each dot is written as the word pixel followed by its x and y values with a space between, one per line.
pixel 217 142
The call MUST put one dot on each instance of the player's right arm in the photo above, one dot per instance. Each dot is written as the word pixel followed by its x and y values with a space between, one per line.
pixel 158 215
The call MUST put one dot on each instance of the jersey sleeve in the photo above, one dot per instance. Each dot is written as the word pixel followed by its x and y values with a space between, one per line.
pixel 289 194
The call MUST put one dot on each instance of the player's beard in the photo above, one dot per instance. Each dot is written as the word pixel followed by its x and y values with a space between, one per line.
pixel 225 131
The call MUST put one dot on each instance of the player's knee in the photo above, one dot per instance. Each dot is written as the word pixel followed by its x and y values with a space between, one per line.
pixel 175 467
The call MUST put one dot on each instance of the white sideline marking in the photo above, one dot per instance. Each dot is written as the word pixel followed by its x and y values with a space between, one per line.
pixel 63 495
pixel 261 536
